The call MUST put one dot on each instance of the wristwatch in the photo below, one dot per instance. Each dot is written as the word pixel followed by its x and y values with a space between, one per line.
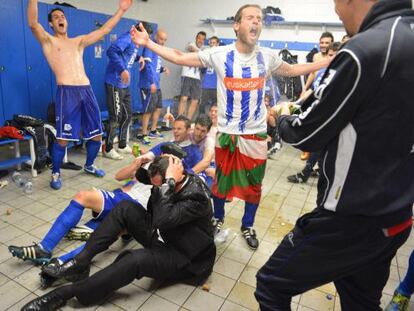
pixel 171 183
pixel 168 186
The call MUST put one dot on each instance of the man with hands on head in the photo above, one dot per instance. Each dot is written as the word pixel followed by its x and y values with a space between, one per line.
pixel 175 232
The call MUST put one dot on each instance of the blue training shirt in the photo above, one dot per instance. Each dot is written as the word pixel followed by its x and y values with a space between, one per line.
pixel 152 71
pixel 209 78
pixel 122 54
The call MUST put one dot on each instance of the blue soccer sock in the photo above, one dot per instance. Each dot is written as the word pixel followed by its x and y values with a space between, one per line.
pixel 66 220
pixel 406 287
pixel 58 153
pixel 92 149
pixel 219 207
pixel 68 256
pixel 249 214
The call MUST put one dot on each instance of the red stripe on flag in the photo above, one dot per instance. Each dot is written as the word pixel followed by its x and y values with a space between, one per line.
pixel 227 161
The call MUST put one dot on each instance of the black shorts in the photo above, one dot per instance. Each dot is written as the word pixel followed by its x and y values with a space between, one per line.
pixel 191 87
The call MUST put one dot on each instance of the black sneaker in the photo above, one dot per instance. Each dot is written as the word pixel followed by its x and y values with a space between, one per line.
pixel 217 224
pixel 50 301
pixel 70 271
pixel 45 279
pixel 315 173
pixel 34 253
pixel 249 235
pixel 297 179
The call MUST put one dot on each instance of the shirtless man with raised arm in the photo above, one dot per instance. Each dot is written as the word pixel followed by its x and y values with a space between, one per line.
pixel 241 147
pixel 76 105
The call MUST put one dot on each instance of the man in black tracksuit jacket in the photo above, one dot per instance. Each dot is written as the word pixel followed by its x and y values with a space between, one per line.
pixel 362 118
pixel 175 230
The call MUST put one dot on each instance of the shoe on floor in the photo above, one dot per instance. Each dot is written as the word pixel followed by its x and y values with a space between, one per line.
pixel 297 179
pixel 249 235
pixel 93 170
pixel 70 271
pixel 144 139
pixel 50 301
pixel 315 173
pixel 35 253
pixel 155 134
pixel 112 154
pixel 46 280
pixel 56 181
pixel 79 233
pixel 305 156
pixel 126 150
pixel 217 224
pixel 398 302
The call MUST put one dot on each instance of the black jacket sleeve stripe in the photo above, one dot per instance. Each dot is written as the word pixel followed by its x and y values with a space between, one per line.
pixel 394 26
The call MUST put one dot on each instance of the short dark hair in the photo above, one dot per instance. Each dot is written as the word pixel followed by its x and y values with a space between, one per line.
pixel 158 166
pixel 203 33
pixel 238 16
pixel 49 16
pixel 204 120
pixel 215 38
pixel 335 46
pixel 147 27
pixel 184 119
pixel 327 34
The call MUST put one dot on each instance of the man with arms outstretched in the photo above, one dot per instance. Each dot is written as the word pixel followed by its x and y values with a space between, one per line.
pixel 241 147
pixel 76 105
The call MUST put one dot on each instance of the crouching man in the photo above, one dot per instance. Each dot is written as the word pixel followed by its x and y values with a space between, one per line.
pixel 175 230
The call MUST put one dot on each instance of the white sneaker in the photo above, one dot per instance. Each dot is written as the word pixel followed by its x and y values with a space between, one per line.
pixel 126 150
pixel 113 155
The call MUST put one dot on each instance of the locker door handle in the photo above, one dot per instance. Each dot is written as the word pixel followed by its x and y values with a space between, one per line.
pixel 2 68
pixel 29 68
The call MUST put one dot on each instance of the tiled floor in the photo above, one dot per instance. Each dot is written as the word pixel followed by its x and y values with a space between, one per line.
pixel 26 218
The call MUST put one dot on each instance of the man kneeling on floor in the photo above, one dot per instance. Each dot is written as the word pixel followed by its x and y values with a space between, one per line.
pixel 175 230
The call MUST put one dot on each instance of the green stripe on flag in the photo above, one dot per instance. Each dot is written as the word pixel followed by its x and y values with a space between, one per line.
pixel 241 178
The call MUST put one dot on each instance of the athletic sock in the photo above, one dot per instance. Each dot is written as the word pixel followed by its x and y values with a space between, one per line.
pixel 58 153
pixel 66 220
pixel 92 148
pixel 249 214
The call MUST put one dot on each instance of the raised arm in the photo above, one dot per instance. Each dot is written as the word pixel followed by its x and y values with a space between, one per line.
pixel 288 70
pixel 32 18
pixel 96 35
pixel 129 171
pixel 175 56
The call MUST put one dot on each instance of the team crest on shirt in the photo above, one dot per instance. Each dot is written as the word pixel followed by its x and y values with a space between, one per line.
pixel 67 127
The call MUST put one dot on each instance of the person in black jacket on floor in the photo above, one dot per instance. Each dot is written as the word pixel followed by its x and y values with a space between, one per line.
pixel 361 118
pixel 175 230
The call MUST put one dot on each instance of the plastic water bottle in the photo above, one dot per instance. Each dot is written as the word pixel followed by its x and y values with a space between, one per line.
pixel 222 236
pixel 28 187
pixel 18 179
